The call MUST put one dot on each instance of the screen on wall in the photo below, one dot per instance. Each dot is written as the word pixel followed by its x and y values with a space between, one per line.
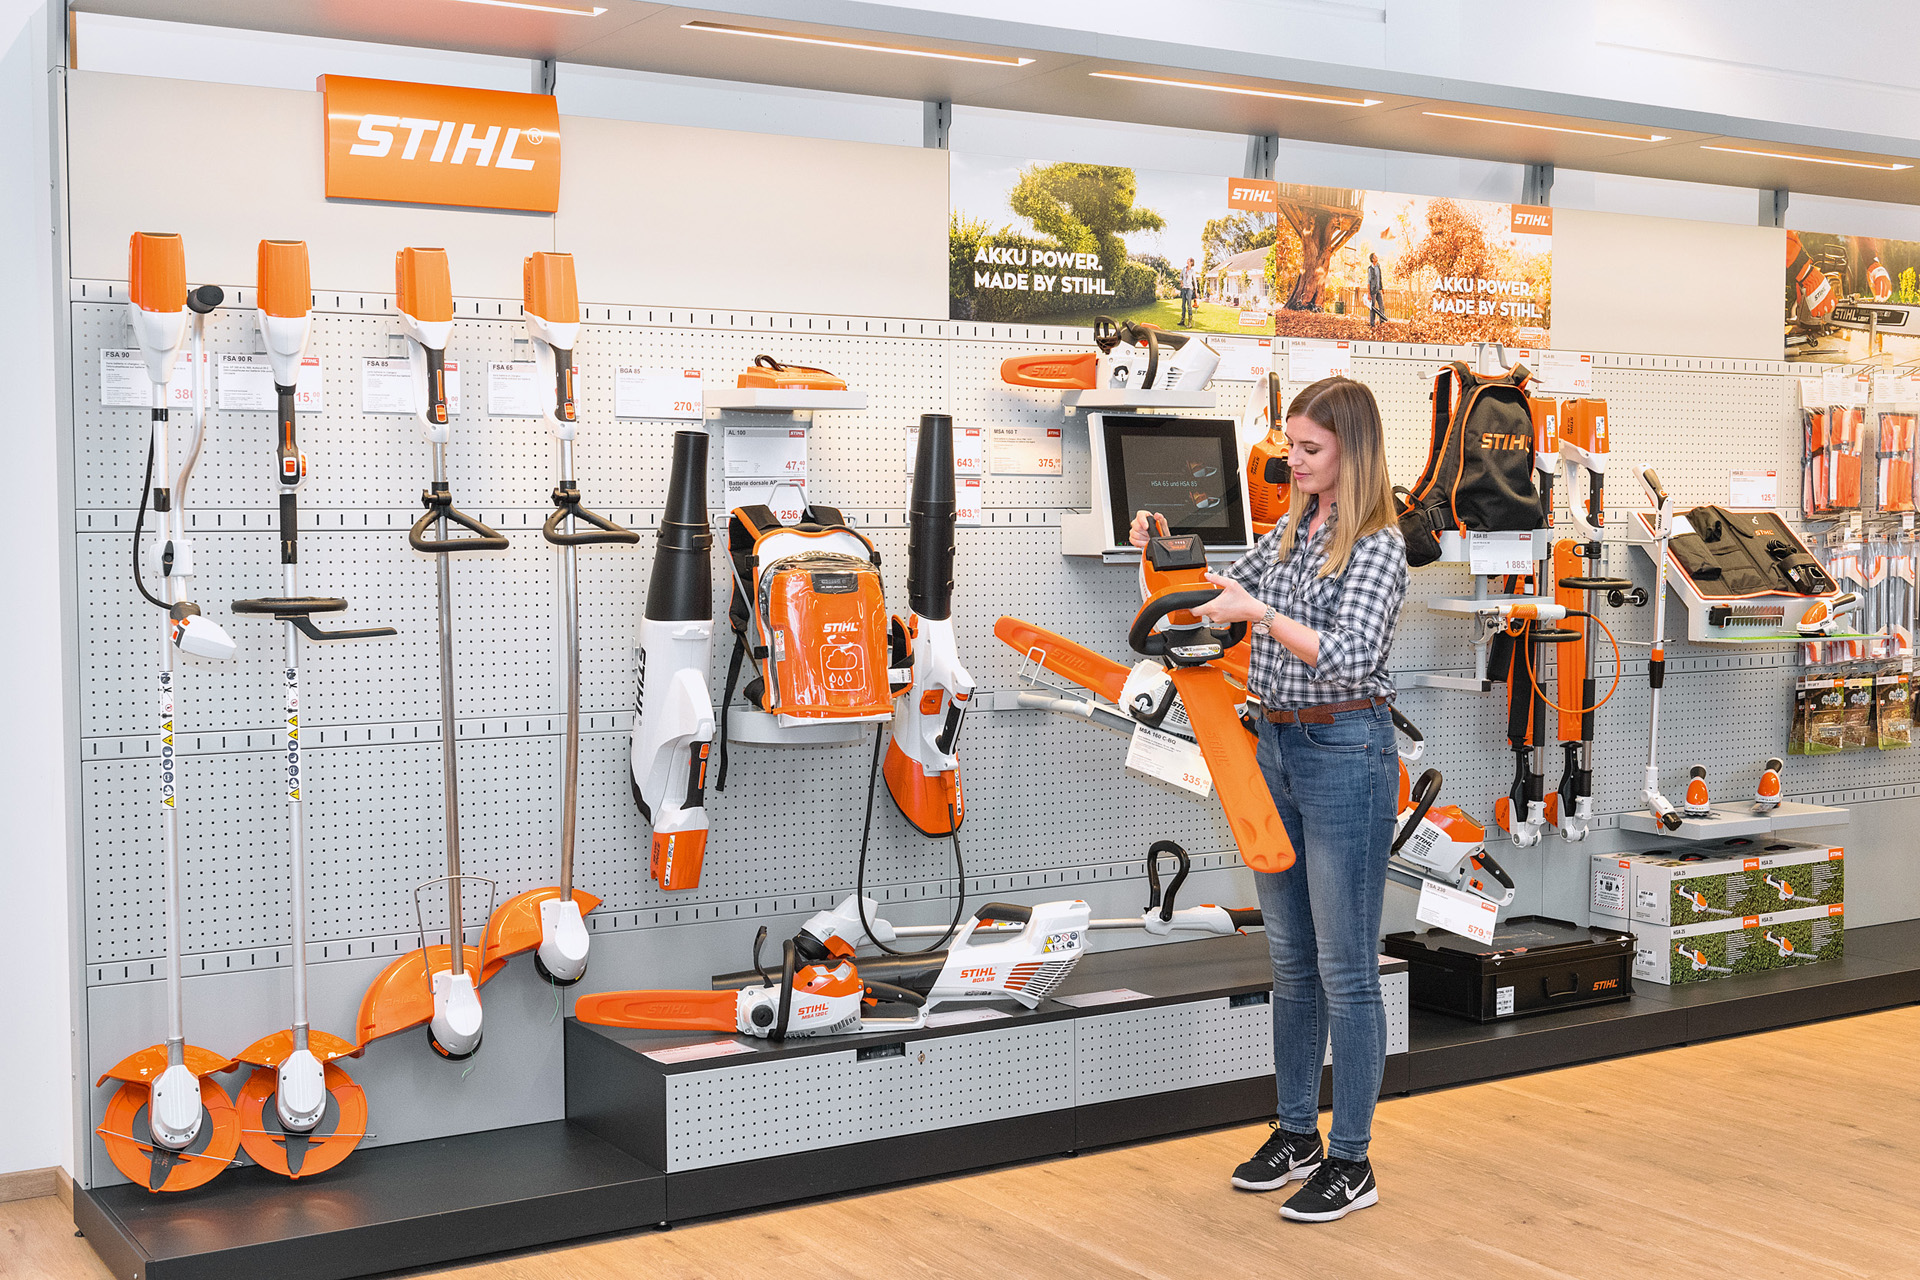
pixel 1185 469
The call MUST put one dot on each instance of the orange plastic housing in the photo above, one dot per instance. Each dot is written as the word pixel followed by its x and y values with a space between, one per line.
pixel 285 288
pixel 547 288
pixel 1546 425
pixel 1583 424
pixel 422 285
pixel 157 270
pixel 826 619
pixel 791 377
pixel 1076 372
pixel 1267 500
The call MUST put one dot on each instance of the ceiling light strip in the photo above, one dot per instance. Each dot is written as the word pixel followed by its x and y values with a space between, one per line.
pixel 1550 128
pixel 722 28
pixel 1882 165
pixel 1244 90
pixel 571 10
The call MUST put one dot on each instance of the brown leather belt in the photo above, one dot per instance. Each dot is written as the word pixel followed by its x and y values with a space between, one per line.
pixel 1324 713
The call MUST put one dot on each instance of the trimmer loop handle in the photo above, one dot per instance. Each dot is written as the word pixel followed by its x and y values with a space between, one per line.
pixel 1142 637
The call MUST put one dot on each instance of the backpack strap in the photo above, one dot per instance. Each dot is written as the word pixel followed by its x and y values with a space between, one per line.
pixel 726 703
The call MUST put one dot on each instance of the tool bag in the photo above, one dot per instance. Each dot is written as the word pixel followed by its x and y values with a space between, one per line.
pixel 1480 463
pixel 809 610
pixel 1744 553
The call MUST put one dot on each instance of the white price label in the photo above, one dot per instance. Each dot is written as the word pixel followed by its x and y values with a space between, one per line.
pixel 386 385
pixel 1025 451
pixel 1500 553
pixel 1456 911
pixel 1812 393
pixel 788 498
pixel 514 389
pixel 956 1017
pixel 695 1052
pixel 969 449
pixel 1563 373
pixel 1155 753
pixel 1311 359
pixel 966 501
pixel 1753 488
pixel 246 385
pixel 767 452
pixel 657 393
pixel 1843 386
pixel 1241 359
pixel 124 383
pixel 1090 999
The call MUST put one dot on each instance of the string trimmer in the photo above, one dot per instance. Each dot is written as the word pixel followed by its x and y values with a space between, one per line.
pixel 303 1134
pixel 549 921
pixel 437 986
pixel 1657 804
pixel 170 1127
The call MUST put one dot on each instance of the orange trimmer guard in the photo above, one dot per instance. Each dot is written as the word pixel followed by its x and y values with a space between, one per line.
pixel 401 998
pixel 515 926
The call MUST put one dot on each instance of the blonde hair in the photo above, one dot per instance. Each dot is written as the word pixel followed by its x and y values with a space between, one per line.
pixel 1363 496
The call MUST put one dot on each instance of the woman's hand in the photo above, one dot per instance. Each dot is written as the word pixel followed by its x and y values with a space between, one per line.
pixel 1144 522
pixel 1233 604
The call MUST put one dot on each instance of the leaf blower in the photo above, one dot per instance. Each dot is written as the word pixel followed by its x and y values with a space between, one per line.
pixel 319 1115
pixel 673 708
pixel 549 921
pixel 1130 358
pixel 922 768
pixel 436 986
pixel 169 1126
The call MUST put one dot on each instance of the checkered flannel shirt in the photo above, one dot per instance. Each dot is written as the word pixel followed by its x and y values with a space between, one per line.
pixel 1355 613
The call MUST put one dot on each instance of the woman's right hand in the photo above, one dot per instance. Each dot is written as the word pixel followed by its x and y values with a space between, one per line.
pixel 1143 523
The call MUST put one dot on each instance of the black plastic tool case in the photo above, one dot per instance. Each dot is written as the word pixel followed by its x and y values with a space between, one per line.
pixel 1534 965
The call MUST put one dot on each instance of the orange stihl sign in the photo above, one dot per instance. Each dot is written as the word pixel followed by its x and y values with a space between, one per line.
pixel 1258 195
pixel 1532 220
pixel 431 144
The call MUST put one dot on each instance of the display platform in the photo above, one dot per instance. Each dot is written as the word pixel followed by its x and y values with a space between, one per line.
pixel 414 1204
pixel 1138 1042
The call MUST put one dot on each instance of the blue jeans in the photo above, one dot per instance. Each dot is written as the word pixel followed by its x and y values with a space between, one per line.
pixel 1337 787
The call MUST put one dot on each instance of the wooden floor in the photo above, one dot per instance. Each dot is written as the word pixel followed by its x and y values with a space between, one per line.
pixel 1793 1154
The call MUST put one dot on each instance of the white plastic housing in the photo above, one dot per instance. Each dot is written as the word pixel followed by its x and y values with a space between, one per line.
pixel 286 338
pixel 202 637
pixel 676 711
pixel 936 666
pixel 159 334
pixel 563 939
pixel 173 1107
pixel 300 1095
pixel 456 1012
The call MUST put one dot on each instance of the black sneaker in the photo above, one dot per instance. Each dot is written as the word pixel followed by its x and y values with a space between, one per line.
pixel 1335 1190
pixel 1281 1158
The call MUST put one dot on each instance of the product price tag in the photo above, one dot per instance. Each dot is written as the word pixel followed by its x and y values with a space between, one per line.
pixel 1891 387
pixel 1563 373
pixel 956 1017
pixel 695 1052
pixel 1844 386
pixel 1812 392
pixel 1753 488
pixel 386 385
pixel 1241 359
pixel 657 393
pixel 969 449
pixel 1090 999
pixel 767 452
pixel 124 385
pixel 1155 753
pixel 1311 359
pixel 966 501
pixel 246 385
pixel 514 389
pixel 1456 911
pixel 788 498
pixel 1025 451
pixel 1500 553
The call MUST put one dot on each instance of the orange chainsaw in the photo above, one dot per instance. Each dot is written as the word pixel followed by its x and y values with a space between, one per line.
pixel 1188 687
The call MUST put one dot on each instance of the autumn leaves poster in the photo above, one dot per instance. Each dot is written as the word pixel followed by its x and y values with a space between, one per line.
pixel 1059 243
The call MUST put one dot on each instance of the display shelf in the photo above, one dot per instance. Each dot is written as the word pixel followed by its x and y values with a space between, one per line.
pixel 1122 398
pixel 775 400
pixel 1446 604
pixel 1764 629
pixel 761 729
pixel 1721 823
pixel 415 1204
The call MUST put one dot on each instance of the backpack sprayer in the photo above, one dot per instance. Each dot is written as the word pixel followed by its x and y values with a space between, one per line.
pixel 414 989
pixel 549 921
pixel 1129 358
pixel 321 1112
pixel 170 1127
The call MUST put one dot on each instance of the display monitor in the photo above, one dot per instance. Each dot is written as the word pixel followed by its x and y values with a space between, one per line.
pixel 1187 469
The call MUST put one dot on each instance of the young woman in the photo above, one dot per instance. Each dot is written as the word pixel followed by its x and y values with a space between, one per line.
pixel 1323 593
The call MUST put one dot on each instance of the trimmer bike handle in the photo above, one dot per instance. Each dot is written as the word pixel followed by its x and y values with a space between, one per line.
pixel 1143 639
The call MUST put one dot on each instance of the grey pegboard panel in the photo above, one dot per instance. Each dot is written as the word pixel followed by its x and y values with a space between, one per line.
pixel 751 1112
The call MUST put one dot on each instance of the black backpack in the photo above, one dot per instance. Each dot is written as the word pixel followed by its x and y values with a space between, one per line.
pixel 1480 462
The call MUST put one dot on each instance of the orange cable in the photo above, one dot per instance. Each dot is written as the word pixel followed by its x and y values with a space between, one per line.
pixel 1581 711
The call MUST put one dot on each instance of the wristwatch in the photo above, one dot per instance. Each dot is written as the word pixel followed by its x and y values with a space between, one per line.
pixel 1267 619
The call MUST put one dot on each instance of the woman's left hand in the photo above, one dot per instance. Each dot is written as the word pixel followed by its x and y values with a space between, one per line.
pixel 1233 604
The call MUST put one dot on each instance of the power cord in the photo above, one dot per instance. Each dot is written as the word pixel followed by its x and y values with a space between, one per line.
pixel 860 875
pixel 146 487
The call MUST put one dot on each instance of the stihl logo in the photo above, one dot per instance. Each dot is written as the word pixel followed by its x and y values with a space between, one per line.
pixel 815 1010
pixel 1503 440
pixel 1606 984
pixel 977 975
pixel 431 144
pixel 1531 221
pixel 1254 194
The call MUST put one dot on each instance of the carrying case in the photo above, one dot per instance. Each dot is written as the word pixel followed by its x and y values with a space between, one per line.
pixel 1533 965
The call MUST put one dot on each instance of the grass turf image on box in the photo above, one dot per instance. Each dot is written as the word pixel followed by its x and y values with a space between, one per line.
pixel 1063 242
pixel 1679 954
pixel 1852 299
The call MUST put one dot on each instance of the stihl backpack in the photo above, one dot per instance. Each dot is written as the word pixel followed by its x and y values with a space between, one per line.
pixel 808 609
pixel 1731 554
pixel 1480 463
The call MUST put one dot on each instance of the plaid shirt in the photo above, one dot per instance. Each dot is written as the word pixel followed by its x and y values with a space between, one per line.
pixel 1355 613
